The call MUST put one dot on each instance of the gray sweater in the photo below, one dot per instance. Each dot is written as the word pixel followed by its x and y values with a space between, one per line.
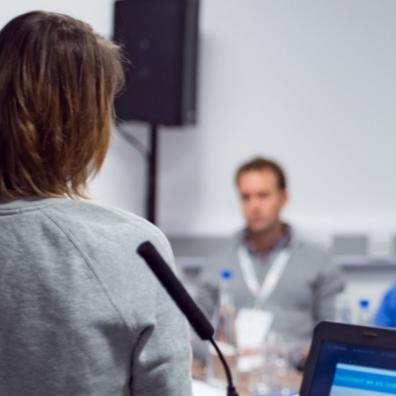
pixel 304 296
pixel 80 312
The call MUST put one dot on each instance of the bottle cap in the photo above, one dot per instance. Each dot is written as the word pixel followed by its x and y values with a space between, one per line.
pixel 226 274
pixel 364 303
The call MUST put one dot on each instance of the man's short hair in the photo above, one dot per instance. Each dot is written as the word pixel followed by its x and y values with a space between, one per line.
pixel 57 82
pixel 260 164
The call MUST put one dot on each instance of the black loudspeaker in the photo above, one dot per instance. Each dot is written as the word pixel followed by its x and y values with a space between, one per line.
pixel 160 41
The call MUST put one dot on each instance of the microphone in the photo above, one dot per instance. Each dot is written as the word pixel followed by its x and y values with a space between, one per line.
pixel 183 300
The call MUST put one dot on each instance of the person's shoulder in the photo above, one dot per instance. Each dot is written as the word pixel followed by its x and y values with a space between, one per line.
pixel 388 306
pixel 312 253
pixel 391 294
pixel 89 210
pixel 87 217
pixel 310 247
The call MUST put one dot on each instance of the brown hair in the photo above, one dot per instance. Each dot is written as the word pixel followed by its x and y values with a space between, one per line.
pixel 259 164
pixel 57 82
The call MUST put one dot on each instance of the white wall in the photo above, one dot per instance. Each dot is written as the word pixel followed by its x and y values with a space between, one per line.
pixel 98 13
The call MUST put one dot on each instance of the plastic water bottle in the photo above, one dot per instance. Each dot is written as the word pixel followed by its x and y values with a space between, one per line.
pixel 226 325
pixel 364 315
pixel 225 330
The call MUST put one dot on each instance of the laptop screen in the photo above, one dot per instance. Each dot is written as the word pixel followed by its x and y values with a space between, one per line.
pixel 353 370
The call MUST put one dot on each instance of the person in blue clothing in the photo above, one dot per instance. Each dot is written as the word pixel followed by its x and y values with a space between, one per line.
pixel 386 314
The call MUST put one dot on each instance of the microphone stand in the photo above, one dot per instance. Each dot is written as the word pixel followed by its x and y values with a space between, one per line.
pixel 183 300
pixel 231 391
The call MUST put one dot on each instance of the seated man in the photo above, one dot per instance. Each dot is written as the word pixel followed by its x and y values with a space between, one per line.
pixel 386 314
pixel 272 268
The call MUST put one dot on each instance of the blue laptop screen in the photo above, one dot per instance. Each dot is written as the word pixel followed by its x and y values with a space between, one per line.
pixel 352 370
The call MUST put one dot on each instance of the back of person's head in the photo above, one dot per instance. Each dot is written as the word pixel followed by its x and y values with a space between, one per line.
pixel 263 164
pixel 57 82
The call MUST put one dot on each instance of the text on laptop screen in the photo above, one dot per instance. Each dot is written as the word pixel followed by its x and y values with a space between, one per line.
pixel 352 370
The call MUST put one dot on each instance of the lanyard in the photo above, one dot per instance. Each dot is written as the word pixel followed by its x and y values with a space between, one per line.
pixel 271 279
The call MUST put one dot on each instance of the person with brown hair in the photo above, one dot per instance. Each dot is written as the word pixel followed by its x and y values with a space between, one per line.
pixel 81 314
pixel 274 270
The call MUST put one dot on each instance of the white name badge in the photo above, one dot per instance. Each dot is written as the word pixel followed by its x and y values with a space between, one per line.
pixel 252 327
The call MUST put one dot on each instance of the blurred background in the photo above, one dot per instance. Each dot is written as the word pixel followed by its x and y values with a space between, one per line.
pixel 310 83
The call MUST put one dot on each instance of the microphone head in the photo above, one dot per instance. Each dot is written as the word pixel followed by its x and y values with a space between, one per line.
pixel 176 290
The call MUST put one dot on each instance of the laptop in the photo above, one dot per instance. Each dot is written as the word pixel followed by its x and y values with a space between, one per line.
pixel 348 360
